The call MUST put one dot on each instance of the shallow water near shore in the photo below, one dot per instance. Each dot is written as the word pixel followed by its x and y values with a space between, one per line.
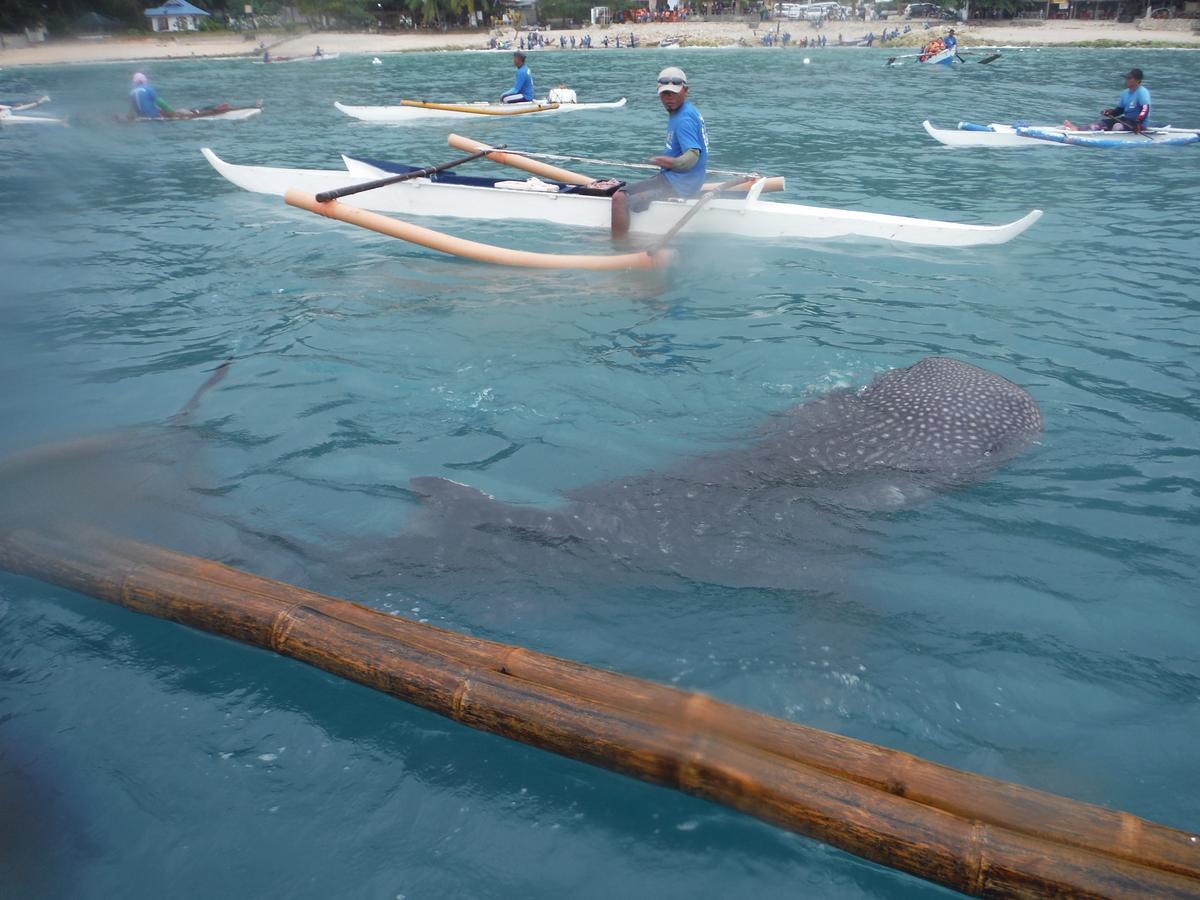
pixel 1039 626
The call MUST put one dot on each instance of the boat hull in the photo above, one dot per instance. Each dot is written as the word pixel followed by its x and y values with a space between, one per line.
pixel 326 57
pixel 746 216
pixel 484 111
pixel 1013 137
pixel 8 119
pixel 945 58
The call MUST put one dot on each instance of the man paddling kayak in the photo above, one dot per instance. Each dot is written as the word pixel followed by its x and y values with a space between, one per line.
pixel 683 164
pixel 147 104
pixel 522 89
pixel 1132 112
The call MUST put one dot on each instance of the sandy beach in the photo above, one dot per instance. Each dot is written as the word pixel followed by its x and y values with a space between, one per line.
pixel 1033 33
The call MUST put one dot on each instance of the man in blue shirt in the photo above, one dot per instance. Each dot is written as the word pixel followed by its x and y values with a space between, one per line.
pixel 145 100
pixel 1132 112
pixel 683 164
pixel 522 89
pixel 950 40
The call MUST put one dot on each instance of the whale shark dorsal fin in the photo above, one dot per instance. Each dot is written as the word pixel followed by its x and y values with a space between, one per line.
pixel 437 491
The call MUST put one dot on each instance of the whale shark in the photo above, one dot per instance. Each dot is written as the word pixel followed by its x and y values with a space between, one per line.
pixel 798 498
pixel 795 506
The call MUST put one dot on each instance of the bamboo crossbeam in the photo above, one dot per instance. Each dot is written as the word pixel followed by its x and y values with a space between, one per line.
pixel 886 806
pixel 566 176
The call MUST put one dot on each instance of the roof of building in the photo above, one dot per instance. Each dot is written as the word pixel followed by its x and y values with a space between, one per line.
pixel 176 8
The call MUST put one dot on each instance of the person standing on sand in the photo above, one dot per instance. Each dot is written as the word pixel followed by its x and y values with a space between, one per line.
pixel 1132 112
pixel 522 89
pixel 683 164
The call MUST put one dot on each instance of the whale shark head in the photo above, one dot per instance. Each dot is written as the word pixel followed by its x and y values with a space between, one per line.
pixel 940 418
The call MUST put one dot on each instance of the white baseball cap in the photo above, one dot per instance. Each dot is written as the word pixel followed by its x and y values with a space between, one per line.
pixel 671 79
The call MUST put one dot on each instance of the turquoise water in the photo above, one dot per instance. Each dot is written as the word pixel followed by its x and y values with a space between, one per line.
pixel 1040 626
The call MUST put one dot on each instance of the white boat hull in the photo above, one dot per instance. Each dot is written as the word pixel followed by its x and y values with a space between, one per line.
pixel 10 118
pixel 233 115
pixel 403 114
pixel 749 217
pixel 1010 136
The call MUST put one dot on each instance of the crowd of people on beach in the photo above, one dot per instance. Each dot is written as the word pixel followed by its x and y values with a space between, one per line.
pixel 537 41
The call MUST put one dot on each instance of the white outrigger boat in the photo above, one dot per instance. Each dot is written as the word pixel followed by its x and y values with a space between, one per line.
pixel 742 213
pixel 10 114
pixel 969 134
pixel 415 110
pixel 274 60
pixel 224 112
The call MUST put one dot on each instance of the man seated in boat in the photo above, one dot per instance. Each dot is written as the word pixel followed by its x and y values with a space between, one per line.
pixel 950 41
pixel 147 104
pixel 1132 112
pixel 683 164
pixel 562 94
pixel 522 89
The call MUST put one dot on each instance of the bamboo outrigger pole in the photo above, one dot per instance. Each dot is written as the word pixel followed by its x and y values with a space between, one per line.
pixel 456 246
pixel 974 834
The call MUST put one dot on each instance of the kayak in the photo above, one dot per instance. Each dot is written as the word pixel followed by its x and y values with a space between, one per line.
pixel 744 214
pixel 415 110
pixel 970 134
pixel 224 112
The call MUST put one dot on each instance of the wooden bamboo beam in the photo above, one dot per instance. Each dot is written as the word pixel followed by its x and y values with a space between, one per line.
pixel 488 253
pixel 853 795
pixel 964 794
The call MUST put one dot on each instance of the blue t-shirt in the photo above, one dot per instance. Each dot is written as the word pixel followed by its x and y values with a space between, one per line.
pixel 1133 102
pixel 145 102
pixel 950 41
pixel 685 131
pixel 523 84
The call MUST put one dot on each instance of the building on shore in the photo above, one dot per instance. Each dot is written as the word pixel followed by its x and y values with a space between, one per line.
pixel 175 15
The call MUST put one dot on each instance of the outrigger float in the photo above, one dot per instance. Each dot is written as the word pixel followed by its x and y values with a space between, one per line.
pixel 969 134
pixel 421 110
pixel 573 200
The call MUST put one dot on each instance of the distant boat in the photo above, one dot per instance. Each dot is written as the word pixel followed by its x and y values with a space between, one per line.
pixel 324 57
pixel 969 134
pixel 10 113
pixel 223 111
pixel 413 110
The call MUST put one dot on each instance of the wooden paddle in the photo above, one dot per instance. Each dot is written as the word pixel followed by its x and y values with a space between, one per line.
pixel 326 196
pixel 704 198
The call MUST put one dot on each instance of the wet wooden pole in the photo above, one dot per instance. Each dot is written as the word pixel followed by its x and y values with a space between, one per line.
pixel 976 835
